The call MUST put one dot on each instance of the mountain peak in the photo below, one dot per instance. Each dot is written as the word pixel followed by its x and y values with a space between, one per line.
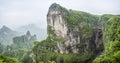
pixel 5 28
pixel 55 7
pixel 28 33
pixel 6 35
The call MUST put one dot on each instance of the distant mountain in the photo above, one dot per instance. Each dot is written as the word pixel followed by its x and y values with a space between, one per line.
pixel 40 32
pixel 1 48
pixel 24 41
pixel 6 35
pixel 21 47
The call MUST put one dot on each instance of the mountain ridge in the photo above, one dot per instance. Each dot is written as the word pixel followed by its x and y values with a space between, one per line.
pixel 6 34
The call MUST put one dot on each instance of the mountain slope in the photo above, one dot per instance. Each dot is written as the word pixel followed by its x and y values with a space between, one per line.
pixel 73 37
pixel 24 41
pixel 111 42
pixel 5 59
pixel 79 37
pixel 76 27
pixel 21 47
pixel 6 35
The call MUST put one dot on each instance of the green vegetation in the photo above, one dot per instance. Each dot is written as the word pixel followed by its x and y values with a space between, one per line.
pixel 78 17
pixel 45 52
pixel 49 43
pixel 62 9
pixel 1 48
pixel 51 32
pixel 43 55
pixel 26 58
pixel 82 25
pixel 23 42
pixel 4 59
pixel 87 31
pixel 112 44
pixel 21 48
pixel 84 21
pixel 106 17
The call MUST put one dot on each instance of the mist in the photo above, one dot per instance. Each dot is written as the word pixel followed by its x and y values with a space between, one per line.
pixel 17 13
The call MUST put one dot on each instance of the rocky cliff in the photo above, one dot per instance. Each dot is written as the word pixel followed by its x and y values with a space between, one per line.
pixel 78 29
pixel 73 36
pixel 79 37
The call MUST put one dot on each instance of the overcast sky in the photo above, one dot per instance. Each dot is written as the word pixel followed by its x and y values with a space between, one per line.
pixel 15 13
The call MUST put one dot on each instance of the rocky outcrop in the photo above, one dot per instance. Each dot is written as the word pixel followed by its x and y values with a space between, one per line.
pixel 24 41
pixel 77 38
pixel 55 20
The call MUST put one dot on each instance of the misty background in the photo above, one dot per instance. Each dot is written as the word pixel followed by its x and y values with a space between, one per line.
pixel 23 15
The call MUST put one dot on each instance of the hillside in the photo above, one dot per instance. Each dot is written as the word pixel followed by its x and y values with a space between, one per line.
pixel 6 35
pixel 21 47
pixel 74 36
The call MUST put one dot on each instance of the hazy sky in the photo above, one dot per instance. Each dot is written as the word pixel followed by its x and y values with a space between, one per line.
pixel 15 13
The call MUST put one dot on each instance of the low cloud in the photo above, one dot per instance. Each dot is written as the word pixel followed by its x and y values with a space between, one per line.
pixel 15 13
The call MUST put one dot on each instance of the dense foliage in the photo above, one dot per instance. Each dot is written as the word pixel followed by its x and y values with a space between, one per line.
pixel 85 21
pixel 4 59
pixel 44 52
pixel 112 44
pixel 78 17
pixel 21 48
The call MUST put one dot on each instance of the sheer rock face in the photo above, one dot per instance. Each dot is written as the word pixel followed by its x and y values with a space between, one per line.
pixel 74 41
pixel 56 22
